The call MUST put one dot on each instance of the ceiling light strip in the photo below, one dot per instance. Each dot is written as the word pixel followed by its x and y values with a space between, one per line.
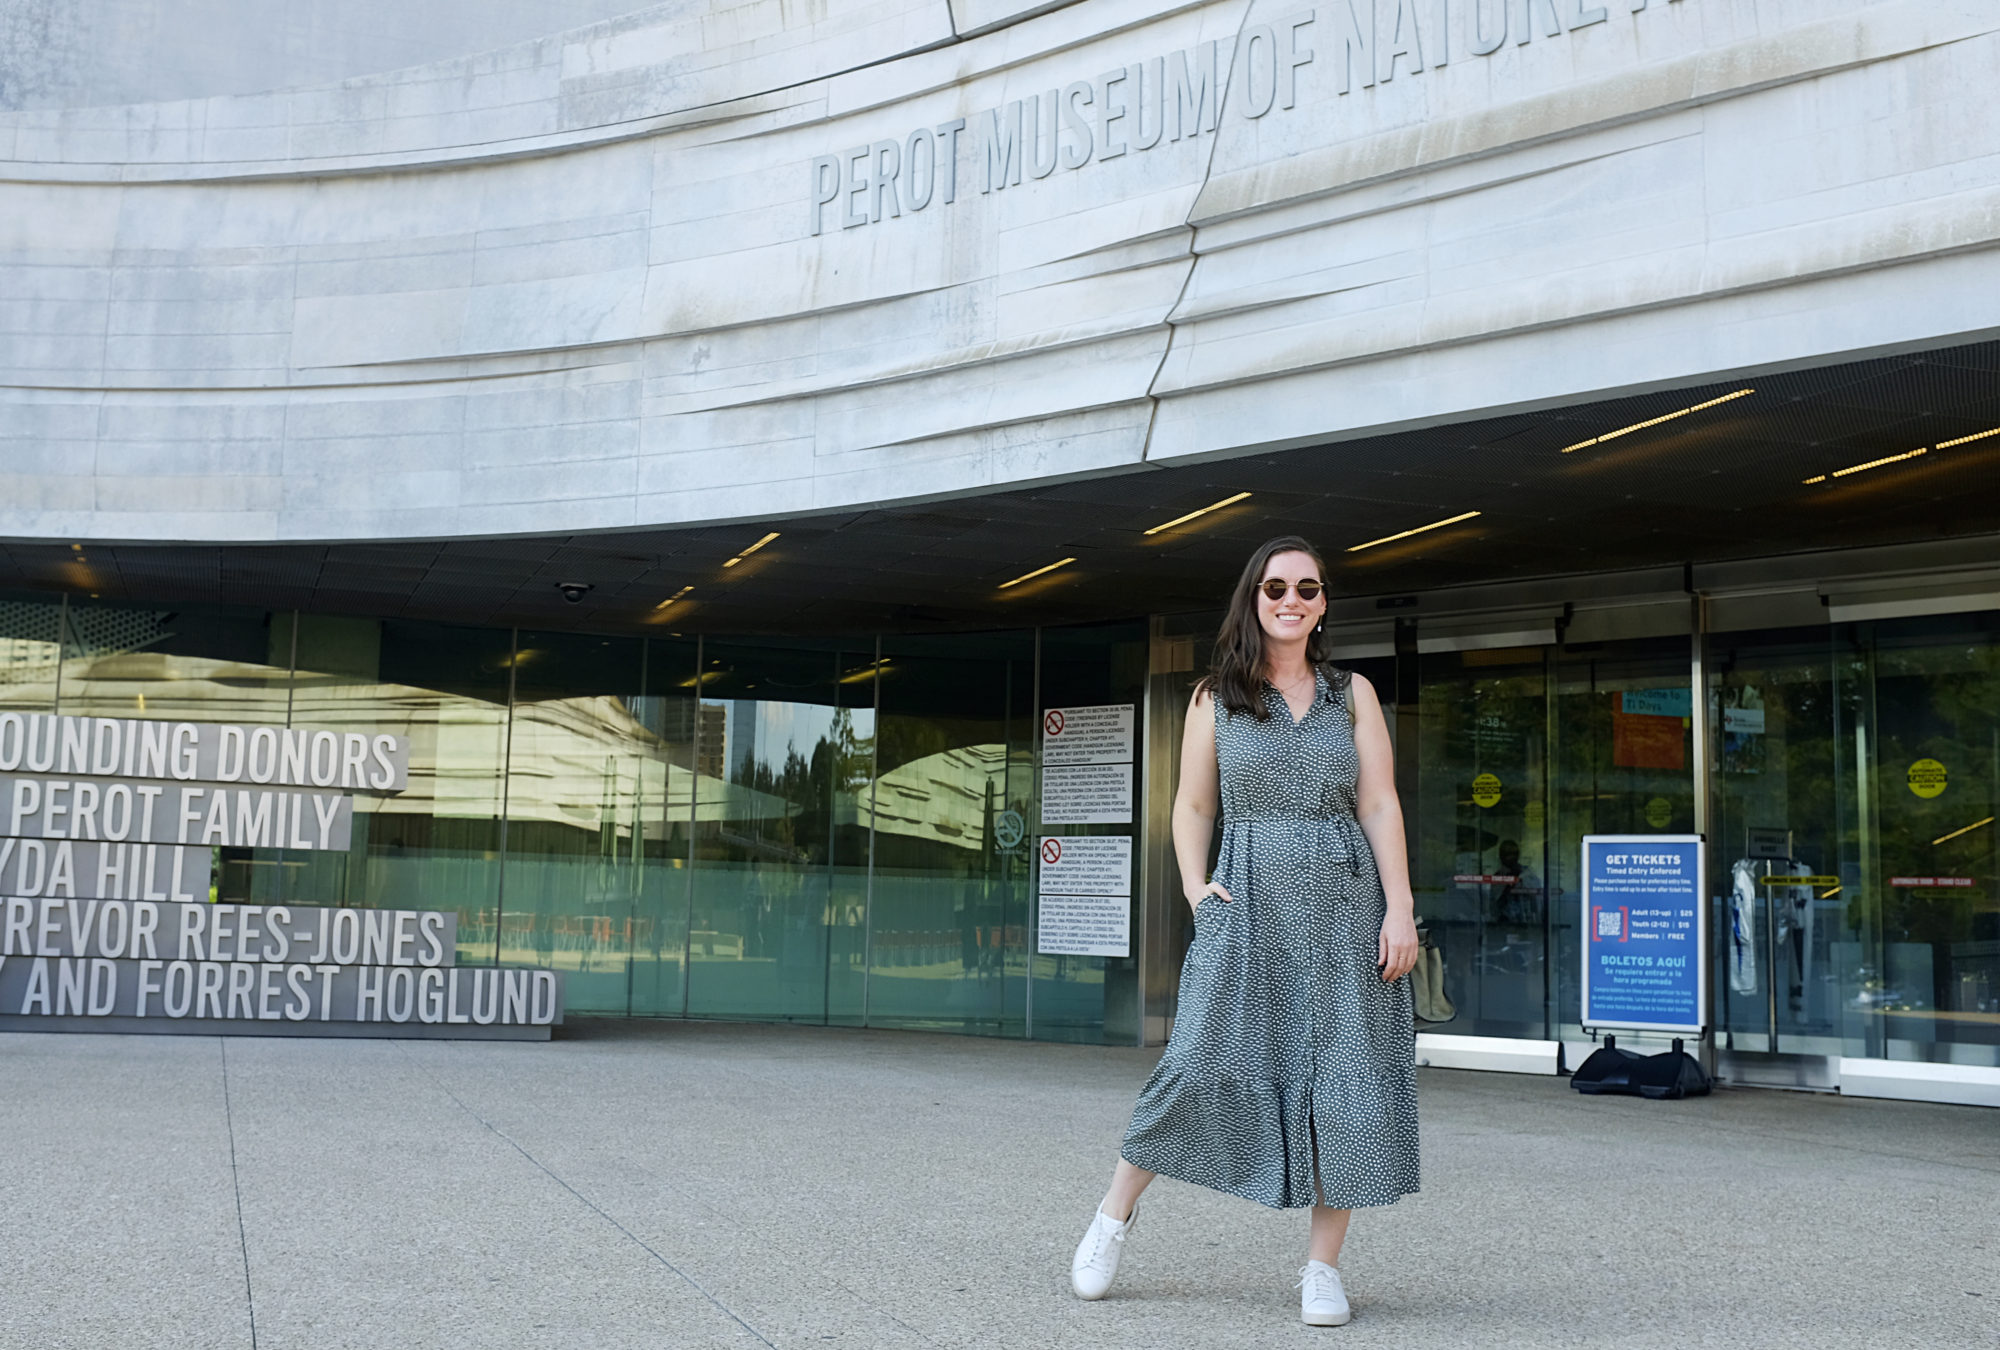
pixel 1434 525
pixel 1977 824
pixel 1030 576
pixel 673 598
pixel 1966 440
pixel 1871 464
pixel 1655 421
pixel 1196 515
pixel 752 549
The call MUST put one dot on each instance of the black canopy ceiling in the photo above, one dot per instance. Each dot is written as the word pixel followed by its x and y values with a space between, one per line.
pixel 1726 482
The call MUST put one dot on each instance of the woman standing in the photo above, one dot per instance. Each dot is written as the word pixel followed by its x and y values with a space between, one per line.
pixel 1288 1079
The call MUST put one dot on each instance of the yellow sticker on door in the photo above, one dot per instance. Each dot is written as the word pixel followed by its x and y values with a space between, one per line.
pixel 1659 813
pixel 1927 778
pixel 1486 790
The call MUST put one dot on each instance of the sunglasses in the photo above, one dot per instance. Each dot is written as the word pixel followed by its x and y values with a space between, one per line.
pixel 1274 589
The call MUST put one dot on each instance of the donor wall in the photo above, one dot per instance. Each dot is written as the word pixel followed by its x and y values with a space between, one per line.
pixel 108 828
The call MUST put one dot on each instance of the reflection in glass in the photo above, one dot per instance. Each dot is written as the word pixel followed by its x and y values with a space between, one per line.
pixel 30 654
pixel 597 802
pixel 950 808
pixel 1623 765
pixel 192 666
pixel 780 853
pixel 437 844
pixel 1781 846
pixel 1925 978
pixel 1479 859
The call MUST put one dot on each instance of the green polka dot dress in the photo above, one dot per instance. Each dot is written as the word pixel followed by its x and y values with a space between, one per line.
pixel 1289 1049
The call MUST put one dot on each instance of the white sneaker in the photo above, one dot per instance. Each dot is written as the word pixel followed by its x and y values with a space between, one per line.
pixel 1322 1302
pixel 1096 1259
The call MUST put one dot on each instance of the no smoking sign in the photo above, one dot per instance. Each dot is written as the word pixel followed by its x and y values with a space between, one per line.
pixel 1051 850
pixel 1053 723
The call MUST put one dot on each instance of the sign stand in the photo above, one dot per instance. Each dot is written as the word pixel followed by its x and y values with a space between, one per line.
pixel 1645 968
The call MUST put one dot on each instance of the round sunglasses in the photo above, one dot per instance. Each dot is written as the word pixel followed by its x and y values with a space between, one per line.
pixel 1274 589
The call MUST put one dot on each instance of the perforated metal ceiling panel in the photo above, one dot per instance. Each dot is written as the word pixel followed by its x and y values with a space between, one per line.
pixel 1725 482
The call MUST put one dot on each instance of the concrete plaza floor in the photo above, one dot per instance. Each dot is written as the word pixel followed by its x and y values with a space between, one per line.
pixel 697 1185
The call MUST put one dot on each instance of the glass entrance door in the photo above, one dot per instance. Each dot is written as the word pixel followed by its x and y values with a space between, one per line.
pixel 1783 848
pixel 1920 951
pixel 1479 839
pixel 1857 780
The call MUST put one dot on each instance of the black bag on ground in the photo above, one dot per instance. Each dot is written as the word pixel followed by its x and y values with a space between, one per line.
pixel 1608 1069
pixel 1673 1075
pixel 1669 1075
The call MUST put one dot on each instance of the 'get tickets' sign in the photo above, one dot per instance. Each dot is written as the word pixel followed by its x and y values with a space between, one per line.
pixel 1645 929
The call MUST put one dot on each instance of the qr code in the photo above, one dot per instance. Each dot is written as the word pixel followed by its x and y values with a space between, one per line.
pixel 1610 923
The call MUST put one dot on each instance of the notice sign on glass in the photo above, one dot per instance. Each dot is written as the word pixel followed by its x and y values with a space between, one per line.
pixel 1645 929
pixel 1087 764
pixel 1086 896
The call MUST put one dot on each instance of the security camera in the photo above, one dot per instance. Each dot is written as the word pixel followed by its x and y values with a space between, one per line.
pixel 574 591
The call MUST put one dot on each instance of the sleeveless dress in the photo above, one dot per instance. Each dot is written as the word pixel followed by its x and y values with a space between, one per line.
pixel 1289 1049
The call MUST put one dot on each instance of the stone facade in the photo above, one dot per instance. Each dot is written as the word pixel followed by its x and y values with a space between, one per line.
pixel 736 260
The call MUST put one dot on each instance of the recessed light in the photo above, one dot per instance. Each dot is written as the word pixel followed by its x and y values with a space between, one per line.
pixel 1655 421
pixel 1962 440
pixel 1434 525
pixel 1030 576
pixel 1871 464
pixel 752 549
pixel 1196 515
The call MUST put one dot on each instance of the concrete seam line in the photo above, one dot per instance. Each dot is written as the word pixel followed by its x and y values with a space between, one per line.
pixel 236 1185
pixel 1193 238
pixel 592 1206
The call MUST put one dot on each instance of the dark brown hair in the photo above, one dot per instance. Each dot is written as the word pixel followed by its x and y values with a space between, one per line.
pixel 1235 678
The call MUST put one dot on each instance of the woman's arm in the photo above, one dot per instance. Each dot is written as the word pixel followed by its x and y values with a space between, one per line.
pixel 1197 801
pixel 1381 817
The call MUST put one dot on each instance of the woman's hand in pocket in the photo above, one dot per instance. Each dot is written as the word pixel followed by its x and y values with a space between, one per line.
pixel 1197 898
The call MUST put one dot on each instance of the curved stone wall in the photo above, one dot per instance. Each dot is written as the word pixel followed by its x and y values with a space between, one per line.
pixel 88 53
pixel 708 264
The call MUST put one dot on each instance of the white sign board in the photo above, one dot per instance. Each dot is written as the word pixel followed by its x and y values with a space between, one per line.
pixel 1086 865
pixel 1087 794
pixel 1093 735
pixel 1086 896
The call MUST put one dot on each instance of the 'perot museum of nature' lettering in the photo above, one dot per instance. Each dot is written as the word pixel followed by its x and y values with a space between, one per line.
pixel 1131 109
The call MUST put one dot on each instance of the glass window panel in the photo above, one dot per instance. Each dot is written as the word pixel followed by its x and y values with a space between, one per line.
pixel 1478 862
pixel 437 844
pixel 1780 705
pixel 665 814
pixel 1624 764
pixel 950 804
pixel 1926 919
pixel 585 776
pixel 30 653
pixel 779 856
pixel 198 665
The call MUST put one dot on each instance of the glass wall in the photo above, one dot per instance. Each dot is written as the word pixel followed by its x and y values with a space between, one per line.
pixel 780 851
pixel 1520 753
pixel 844 831
pixel 1088 998
pixel 1855 869
pixel 1479 837
pixel 1621 730
pixel 685 827
pixel 950 802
